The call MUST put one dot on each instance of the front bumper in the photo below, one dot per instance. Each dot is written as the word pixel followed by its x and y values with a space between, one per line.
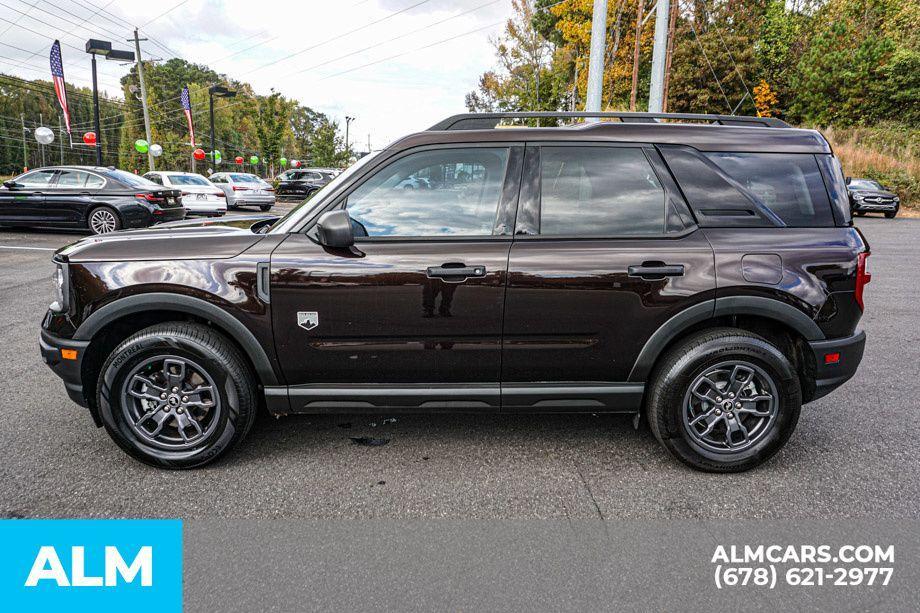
pixel 830 374
pixel 884 207
pixel 68 370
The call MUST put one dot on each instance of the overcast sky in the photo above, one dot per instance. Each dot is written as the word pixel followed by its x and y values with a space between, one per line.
pixel 311 50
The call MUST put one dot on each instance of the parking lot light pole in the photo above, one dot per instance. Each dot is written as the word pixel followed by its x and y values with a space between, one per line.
pixel 348 121
pixel 104 48
pixel 221 92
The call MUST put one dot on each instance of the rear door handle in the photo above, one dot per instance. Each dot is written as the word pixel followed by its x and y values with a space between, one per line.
pixel 656 271
pixel 455 273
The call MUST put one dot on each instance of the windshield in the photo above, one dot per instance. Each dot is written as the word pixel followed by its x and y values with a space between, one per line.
pixel 188 180
pixel 239 177
pixel 864 184
pixel 132 179
pixel 303 210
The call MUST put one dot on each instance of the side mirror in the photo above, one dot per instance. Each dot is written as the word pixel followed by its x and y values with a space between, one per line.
pixel 849 179
pixel 334 229
pixel 11 184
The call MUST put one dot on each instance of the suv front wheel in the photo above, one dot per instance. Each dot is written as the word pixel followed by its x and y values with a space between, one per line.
pixel 724 400
pixel 176 395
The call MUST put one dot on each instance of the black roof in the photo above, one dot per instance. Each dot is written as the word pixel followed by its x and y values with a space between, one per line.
pixel 719 133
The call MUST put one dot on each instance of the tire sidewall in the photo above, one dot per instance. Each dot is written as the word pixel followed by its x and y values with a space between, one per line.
pixel 226 431
pixel 697 360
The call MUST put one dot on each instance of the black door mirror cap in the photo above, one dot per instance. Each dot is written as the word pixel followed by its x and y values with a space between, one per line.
pixel 333 229
pixel 11 184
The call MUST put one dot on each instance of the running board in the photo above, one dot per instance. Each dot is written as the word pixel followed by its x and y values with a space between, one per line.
pixel 542 397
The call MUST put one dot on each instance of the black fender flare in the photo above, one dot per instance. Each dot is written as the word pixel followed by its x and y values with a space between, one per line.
pixel 184 304
pixel 730 305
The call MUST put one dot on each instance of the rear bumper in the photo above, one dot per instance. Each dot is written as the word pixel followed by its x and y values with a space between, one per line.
pixel 830 376
pixel 68 370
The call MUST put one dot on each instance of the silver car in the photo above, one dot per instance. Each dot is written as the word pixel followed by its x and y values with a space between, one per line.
pixel 199 196
pixel 244 189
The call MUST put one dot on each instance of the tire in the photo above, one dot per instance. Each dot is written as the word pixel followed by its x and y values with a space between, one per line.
pixel 224 415
pixel 102 220
pixel 891 215
pixel 672 405
pixel 265 208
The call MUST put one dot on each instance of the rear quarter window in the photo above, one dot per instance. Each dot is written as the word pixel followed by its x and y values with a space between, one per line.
pixel 790 185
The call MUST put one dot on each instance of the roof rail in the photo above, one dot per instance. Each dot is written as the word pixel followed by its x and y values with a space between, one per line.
pixel 487 121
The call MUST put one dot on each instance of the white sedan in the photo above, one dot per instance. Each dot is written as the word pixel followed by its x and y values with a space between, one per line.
pixel 199 195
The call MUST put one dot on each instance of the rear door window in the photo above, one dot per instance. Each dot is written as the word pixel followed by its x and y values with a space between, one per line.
pixel 72 179
pixel 599 191
pixel 790 185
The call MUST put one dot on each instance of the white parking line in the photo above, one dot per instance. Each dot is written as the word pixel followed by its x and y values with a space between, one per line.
pixel 29 248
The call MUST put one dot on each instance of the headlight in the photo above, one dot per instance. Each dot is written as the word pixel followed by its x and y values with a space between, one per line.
pixel 59 289
pixel 858 196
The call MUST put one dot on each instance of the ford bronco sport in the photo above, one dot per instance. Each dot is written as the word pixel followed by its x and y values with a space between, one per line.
pixel 699 270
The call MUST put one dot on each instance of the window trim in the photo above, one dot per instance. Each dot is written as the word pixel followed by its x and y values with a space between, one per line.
pixel 505 209
pixel 530 209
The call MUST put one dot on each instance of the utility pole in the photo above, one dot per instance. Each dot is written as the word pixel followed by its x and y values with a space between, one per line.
pixel 140 77
pixel 672 24
pixel 596 59
pixel 633 91
pixel 25 149
pixel 656 90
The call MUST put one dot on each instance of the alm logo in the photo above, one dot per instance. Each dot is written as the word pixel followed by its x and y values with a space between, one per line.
pixel 48 567
pixel 91 565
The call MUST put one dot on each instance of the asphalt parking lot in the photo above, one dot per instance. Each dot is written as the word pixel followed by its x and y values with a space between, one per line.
pixel 855 454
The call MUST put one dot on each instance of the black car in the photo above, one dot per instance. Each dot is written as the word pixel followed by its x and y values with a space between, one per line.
pixel 705 277
pixel 868 196
pixel 100 199
pixel 301 183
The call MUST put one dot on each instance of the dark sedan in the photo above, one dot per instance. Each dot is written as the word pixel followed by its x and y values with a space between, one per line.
pixel 100 199
pixel 301 183
pixel 867 196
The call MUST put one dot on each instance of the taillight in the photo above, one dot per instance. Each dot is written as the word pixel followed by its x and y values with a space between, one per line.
pixel 186 193
pixel 239 188
pixel 862 277
pixel 220 194
pixel 150 198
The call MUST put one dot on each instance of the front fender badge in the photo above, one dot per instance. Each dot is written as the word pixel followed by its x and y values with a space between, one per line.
pixel 307 319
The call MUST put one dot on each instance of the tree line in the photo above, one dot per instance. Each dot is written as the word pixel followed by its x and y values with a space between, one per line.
pixel 815 62
pixel 270 127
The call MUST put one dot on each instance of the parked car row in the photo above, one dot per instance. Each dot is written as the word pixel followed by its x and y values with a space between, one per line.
pixel 104 199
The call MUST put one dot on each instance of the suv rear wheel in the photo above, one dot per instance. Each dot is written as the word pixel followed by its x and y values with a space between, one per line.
pixel 176 395
pixel 724 400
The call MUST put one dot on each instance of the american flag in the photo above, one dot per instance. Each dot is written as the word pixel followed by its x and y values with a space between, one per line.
pixel 57 75
pixel 187 106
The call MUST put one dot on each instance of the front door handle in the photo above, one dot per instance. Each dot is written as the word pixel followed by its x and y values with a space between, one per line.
pixel 453 272
pixel 655 270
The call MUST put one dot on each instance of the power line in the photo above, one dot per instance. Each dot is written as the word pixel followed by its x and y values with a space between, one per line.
pixel 696 37
pixel 163 14
pixel 338 36
pixel 395 38
pixel 434 44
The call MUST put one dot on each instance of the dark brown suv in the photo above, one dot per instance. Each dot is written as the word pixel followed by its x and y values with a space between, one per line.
pixel 700 270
